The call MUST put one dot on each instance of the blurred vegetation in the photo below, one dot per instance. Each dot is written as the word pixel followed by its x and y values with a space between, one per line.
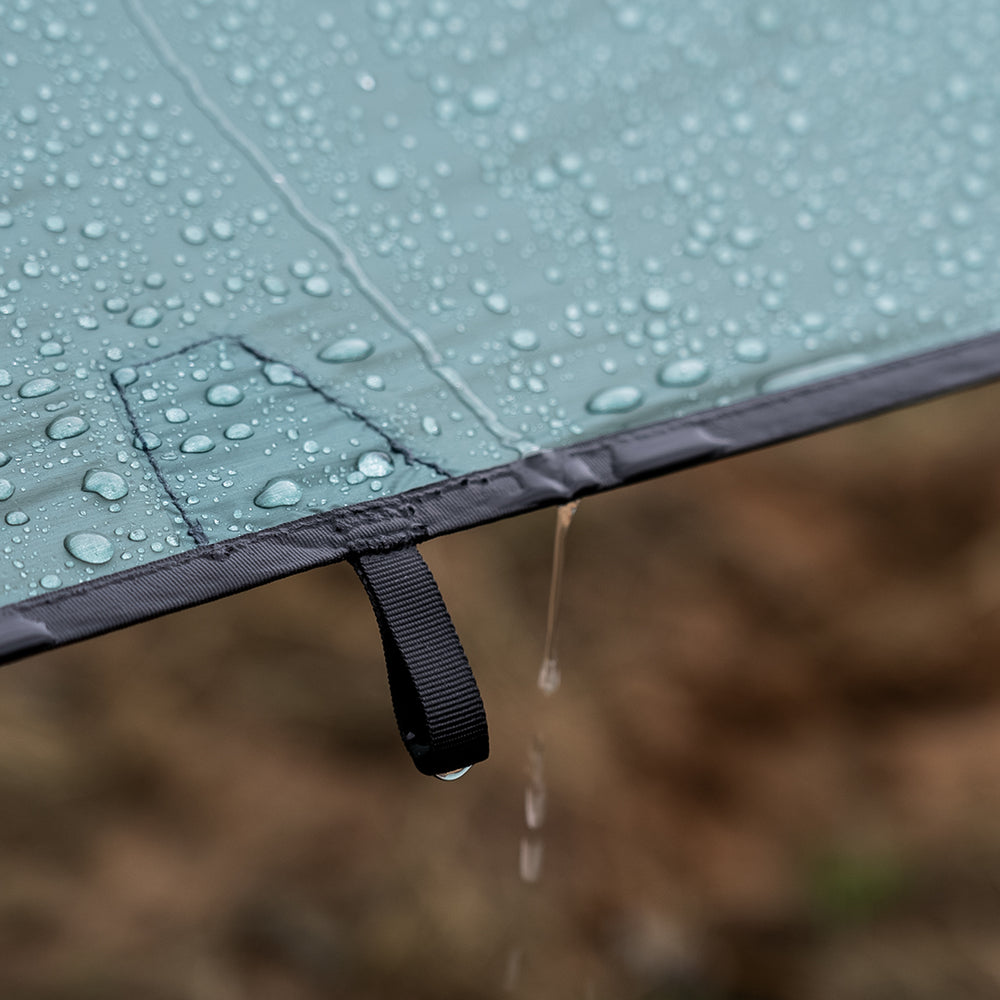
pixel 773 767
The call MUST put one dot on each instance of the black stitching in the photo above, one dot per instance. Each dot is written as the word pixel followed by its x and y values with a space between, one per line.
pixel 194 529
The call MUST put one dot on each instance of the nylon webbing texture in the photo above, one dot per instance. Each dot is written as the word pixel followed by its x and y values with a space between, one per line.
pixel 434 695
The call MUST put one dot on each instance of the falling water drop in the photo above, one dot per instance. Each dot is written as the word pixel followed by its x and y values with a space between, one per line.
pixel 549 677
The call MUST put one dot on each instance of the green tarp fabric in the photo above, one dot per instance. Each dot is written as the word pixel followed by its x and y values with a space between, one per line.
pixel 263 263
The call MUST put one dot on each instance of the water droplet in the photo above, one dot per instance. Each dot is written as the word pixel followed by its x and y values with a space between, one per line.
pixel 687 371
pixel 4 458
pixel 176 415
pixel 116 304
pixel 37 387
pixel 802 374
pixel 751 349
pixel 222 229
pixel 50 581
pixel 224 394
pixel 375 464
pixel 125 377
pixel 238 432
pixel 145 317
pixel 194 235
pixel 278 374
pixel 16 518
pixel 279 493
pixel 6 489
pixel 66 427
pixel 317 285
pixel 89 547
pixel 197 444
pixel 147 441
pixel 497 303
pixel 459 772
pixel 483 100
pixel 524 340
pixel 656 300
pixel 619 399
pixel 347 349
pixel 273 285
pixel 886 305
pixel 386 177
pixel 108 485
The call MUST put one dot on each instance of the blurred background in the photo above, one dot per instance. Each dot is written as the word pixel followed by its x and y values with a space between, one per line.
pixel 773 767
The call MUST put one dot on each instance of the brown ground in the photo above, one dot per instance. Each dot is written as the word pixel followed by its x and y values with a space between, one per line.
pixel 773 767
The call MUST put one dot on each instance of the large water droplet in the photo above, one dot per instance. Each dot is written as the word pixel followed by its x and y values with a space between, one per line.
pixel 375 464
pixel 317 286
pixel 224 395
pixel 197 444
pixel 89 547
pixel 687 371
pixel 37 387
pixel 145 317
pixel 524 340
pixel 279 493
pixel 385 177
pixel 347 349
pixel 238 432
pixel 656 300
pixel 802 374
pixel 66 427
pixel 6 489
pixel 16 518
pixel 106 484
pixel 483 100
pixel 619 399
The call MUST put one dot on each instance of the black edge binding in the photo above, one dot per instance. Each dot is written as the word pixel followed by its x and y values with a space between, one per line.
pixel 542 480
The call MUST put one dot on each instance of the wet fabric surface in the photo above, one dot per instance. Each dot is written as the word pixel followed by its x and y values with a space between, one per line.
pixel 259 261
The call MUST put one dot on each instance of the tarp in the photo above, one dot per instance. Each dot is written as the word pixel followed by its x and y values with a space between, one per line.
pixel 282 283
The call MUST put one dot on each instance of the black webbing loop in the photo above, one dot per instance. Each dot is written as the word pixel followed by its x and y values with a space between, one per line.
pixel 434 695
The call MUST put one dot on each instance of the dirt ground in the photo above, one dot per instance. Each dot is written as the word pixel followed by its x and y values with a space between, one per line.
pixel 773 767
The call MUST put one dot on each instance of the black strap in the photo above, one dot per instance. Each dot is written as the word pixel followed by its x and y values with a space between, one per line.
pixel 434 695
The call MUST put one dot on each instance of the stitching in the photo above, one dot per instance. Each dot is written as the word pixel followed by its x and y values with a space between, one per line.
pixel 194 529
